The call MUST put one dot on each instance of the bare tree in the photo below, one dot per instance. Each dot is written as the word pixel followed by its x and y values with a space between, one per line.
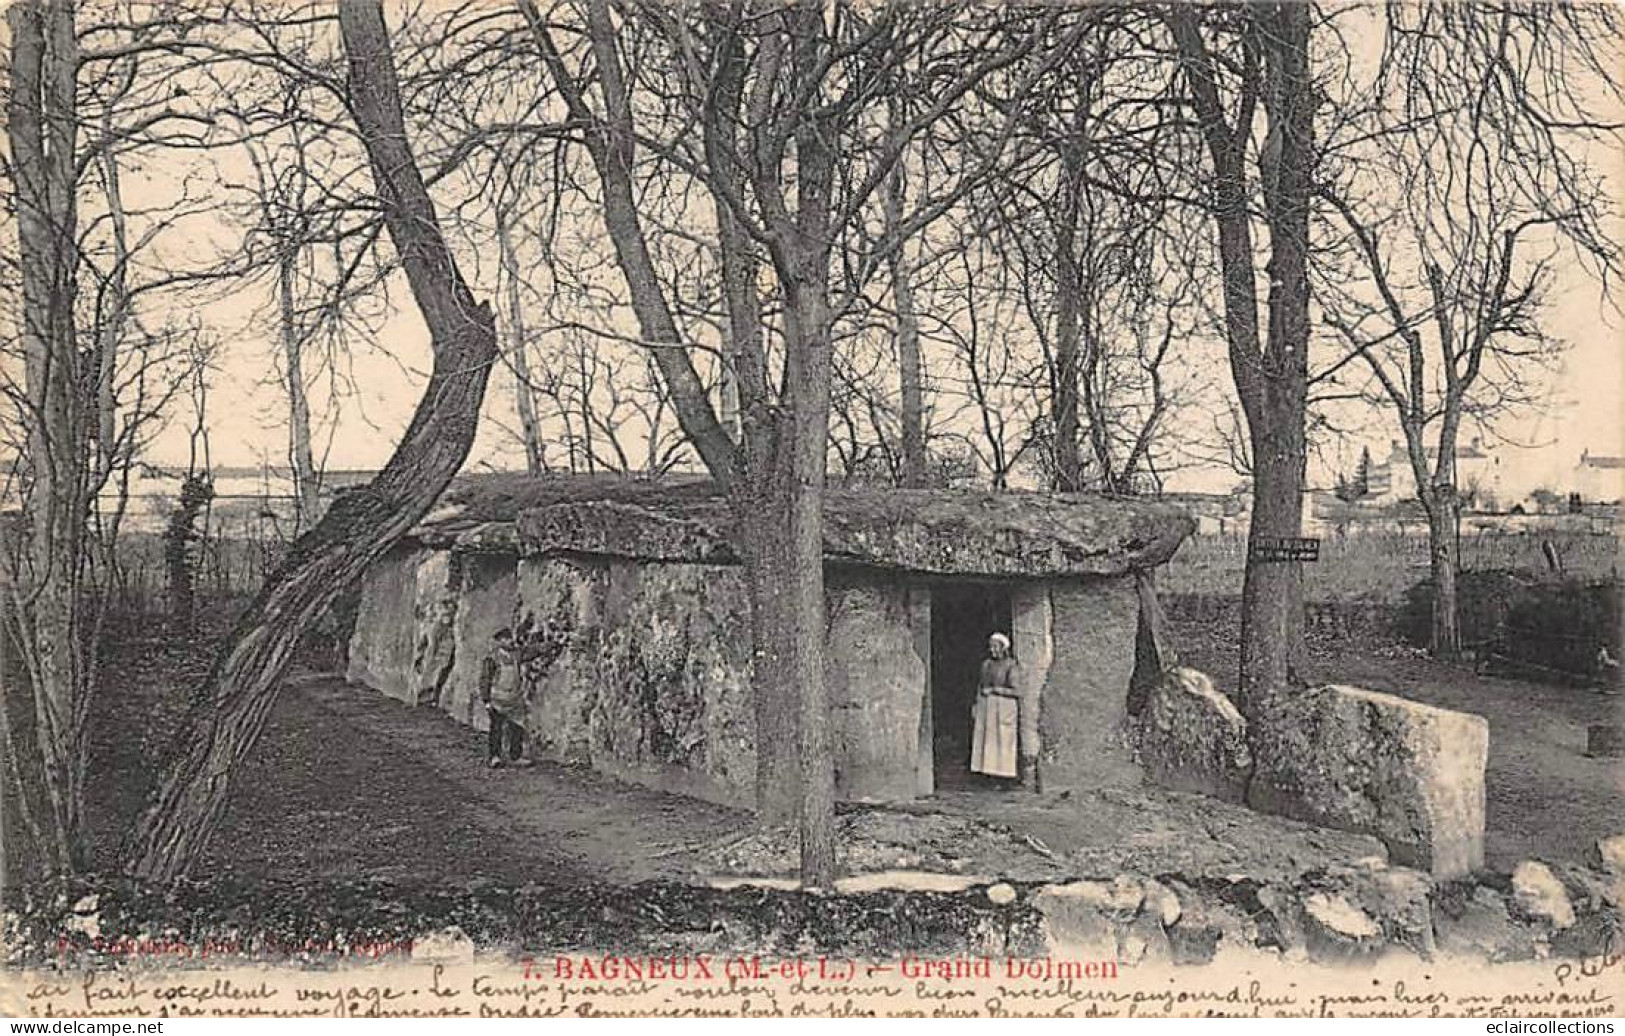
pixel 44 587
pixel 230 709
pixel 1485 115
pixel 779 94
pixel 1238 62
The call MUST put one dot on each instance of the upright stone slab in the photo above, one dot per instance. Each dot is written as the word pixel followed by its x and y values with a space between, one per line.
pixel 434 626
pixel 1032 640
pixel 1356 760
pixel 485 604
pixel 1192 738
pixel 670 702
pixel 1083 704
pixel 381 648
pixel 919 627
pixel 874 674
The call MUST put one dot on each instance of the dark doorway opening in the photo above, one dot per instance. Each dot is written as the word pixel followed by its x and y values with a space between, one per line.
pixel 963 616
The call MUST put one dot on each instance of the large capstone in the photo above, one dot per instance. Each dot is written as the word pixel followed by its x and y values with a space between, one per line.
pixel 1411 774
pixel 1192 738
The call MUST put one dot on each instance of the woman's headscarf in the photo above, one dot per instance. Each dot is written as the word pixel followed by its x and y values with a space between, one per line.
pixel 999 639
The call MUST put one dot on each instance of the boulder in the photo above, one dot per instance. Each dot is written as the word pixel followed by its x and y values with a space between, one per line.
pixel 1144 941
pixel 1478 926
pixel 1191 738
pixel 1336 929
pixel 1161 902
pixel 1098 915
pixel 1410 774
pixel 1538 895
pixel 1608 856
pixel 1076 916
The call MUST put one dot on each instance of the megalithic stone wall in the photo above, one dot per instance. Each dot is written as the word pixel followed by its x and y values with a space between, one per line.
pixel 644 669
pixel 1411 774
pixel 383 646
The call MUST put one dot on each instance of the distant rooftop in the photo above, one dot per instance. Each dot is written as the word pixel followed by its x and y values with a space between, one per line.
pixel 1597 460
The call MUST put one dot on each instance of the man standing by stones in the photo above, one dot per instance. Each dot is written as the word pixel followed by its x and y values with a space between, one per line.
pixel 503 692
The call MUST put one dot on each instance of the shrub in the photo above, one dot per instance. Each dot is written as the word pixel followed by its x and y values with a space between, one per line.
pixel 1552 623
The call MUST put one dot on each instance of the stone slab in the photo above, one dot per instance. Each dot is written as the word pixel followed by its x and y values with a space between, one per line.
pixel 1084 701
pixel 1357 760
pixel 1191 738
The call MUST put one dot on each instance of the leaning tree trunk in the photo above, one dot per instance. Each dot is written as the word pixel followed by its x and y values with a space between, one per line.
pixel 1443 514
pixel 230 709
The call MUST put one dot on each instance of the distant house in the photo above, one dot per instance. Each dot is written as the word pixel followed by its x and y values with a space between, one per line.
pixel 1392 479
pixel 1598 479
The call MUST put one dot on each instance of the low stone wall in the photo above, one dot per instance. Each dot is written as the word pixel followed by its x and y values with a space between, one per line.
pixel 1349 914
pixel 1343 914
pixel 1343 620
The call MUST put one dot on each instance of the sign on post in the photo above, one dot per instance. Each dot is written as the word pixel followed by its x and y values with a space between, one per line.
pixel 1285 548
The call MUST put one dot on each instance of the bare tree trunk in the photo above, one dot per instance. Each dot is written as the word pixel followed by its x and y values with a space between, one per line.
pixel 775 475
pixel 1270 372
pixel 908 330
pixel 1272 595
pixel 45 585
pixel 795 776
pixel 300 458
pixel 518 350
pixel 1068 474
pixel 1443 515
pixel 230 709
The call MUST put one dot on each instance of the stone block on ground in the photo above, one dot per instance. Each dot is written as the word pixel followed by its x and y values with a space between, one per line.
pixel 1192 738
pixel 1336 930
pixel 1477 925
pixel 1538 895
pixel 1608 856
pixel 1356 760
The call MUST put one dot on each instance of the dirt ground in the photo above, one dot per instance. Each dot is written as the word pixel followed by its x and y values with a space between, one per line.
pixel 348 783
pixel 1545 798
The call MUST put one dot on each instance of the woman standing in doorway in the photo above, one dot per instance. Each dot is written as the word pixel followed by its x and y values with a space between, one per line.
pixel 994 718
